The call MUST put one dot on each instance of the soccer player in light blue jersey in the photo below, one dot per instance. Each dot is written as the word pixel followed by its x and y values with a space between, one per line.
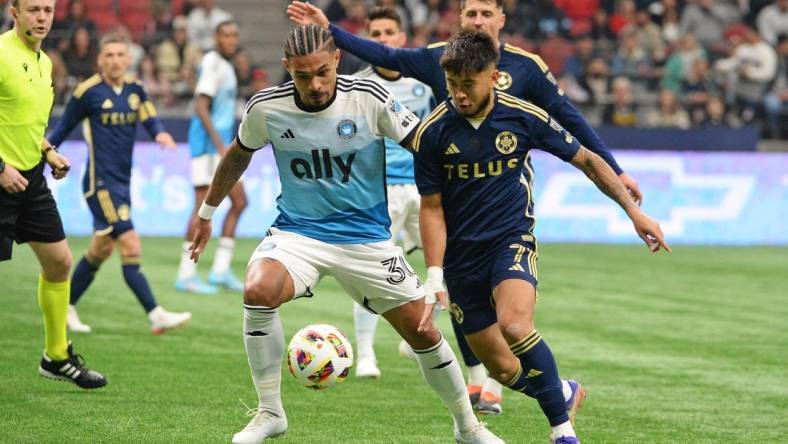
pixel 211 131
pixel 327 135
pixel 385 26
pixel 477 144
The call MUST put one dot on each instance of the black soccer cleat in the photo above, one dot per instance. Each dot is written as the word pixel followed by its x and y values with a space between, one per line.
pixel 71 370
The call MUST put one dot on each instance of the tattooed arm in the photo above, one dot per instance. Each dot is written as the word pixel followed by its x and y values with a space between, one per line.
pixel 596 169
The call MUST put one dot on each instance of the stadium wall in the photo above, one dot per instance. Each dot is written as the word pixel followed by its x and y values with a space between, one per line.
pixel 719 198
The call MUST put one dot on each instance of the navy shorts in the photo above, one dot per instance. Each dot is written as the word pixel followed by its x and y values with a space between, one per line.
pixel 471 295
pixel 30 215
pixel 111 211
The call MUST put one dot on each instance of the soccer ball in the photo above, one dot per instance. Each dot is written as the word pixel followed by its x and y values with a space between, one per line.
pixel 319 356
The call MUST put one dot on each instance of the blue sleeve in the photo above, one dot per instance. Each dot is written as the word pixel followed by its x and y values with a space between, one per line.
pixel 550 136
pixel 427 168
pixel 75 112
pixel 148 116
pixel 417 63
pixel 544 91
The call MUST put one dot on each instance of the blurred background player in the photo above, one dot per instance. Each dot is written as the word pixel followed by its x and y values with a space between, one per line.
pixel 109 105
pixel 28 212
pixel 477 144
pixel 384 25
pixel 212 129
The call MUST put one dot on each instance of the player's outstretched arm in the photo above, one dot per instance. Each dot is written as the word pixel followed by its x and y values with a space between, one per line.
pixel 606 180
pixel 432 226
pixel 230 169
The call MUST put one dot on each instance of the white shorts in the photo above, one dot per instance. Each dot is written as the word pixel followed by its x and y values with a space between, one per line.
pixel 404 202
pixel 203 169
pixel 375 275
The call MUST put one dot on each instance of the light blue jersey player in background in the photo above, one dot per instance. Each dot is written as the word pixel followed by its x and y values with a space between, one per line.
pixel 211 131
pixel 384 25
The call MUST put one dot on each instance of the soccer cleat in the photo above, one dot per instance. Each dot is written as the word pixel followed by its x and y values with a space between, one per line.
pixel 264 424
pixel 406 351
pixel 479 434
pixel 73 322
pixel 566 440
pixel 195 285
pixel 474 394
pixel 575 401
pixel 489 404
pixel 367 368
pixel 226 280
pixel 162 320
pixel 71 369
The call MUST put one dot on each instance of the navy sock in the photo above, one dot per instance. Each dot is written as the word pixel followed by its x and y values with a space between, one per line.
pixel 538 377
pixel 468 357
pixel 137 282
pixel 83 275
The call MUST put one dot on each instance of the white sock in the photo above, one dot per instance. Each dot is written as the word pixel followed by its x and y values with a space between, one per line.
pixel 566 389
pixel 366 323
pixel 560 430
pixel 223 256
pixel 188 268
pixel 492 386
pixel 442 372
pixel 265 344
pixel 477 374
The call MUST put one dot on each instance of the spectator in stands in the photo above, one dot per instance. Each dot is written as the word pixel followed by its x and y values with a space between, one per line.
pixel 156 85
pixel 159 28
pixel 773 21
pixel 177 59
pixel 603 37
pixel 776 101
pixel 697 88
pixel 6 21
pixel 669 113
pixel 680 61
pixel 716 115
pixel 748 72
pixel 356 20
pixel 624 15
pixel 596 81
pixel 631 60
pixel 623 111
pixel 63 30
pixel 707 19
pixel 648 37
pixel 259 81
pixel 521 19
pixel 80 57
pixel 551 20
pixel 580 12
pixel 136 52
pixel 575 65
pixel 203 21
pixel 242 63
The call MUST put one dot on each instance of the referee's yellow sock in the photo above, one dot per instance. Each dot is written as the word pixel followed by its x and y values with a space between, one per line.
pixel 53 300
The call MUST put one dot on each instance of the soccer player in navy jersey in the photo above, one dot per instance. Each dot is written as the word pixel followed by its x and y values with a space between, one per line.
pixel 521 74
pixel 476 220
pixel 109 105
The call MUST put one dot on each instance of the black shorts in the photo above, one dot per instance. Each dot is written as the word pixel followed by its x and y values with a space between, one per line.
pixel 471 295
pixel 30 215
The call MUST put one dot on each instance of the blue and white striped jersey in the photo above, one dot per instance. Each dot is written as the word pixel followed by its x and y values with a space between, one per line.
pixel 418 98
pixel 331 159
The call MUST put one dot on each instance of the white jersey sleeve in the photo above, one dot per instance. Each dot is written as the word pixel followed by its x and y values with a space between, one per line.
pixel 252 133
pixel 210 75
pixel 393 120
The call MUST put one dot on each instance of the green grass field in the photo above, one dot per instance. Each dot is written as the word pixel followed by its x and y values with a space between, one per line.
pixel 683 348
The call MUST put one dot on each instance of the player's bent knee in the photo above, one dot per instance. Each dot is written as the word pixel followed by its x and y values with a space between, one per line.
pixel 514 329
pixel 262 294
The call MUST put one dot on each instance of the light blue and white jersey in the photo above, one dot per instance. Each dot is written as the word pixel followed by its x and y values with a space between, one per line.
pixel 216 80
pixel 331 159
pixel 417 97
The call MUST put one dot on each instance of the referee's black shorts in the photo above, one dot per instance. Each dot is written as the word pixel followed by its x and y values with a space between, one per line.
pixel 30 215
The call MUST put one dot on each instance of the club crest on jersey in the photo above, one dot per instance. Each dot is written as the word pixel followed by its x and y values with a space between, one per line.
pixel 504 81
pixel 506 142
pixel 394 105
pixel 419 90
pixel 346 129
pixel 134 101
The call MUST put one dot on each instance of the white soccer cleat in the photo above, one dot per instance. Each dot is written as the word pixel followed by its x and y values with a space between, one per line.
pixel 264 424
pixel 73 322
pixel 367 368
pixel 477 435
pixel 406 351
pixel 162 320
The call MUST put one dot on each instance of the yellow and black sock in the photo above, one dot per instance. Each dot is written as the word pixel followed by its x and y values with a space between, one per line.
pixel 53 299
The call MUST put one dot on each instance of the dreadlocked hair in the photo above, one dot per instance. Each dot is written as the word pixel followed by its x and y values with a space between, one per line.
pixel 308 39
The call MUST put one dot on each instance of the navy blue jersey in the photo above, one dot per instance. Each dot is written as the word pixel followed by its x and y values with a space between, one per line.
pixel 109 120
pixel 484 175
pixel 522 74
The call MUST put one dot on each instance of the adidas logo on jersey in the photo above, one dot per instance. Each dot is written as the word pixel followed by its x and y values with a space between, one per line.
pixel 287 135
pixel 452 149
